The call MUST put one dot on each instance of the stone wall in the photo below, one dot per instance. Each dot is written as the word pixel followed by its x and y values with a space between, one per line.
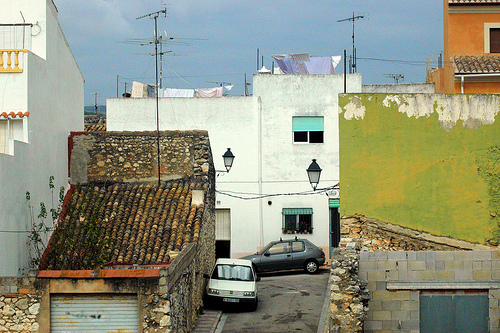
pixel 19 305
pixel 395 280
pixel 373 235
pixel 349 296
pixel 132 156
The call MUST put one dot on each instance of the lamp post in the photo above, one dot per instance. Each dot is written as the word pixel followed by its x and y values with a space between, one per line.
pixel 314 172
pixel 228 159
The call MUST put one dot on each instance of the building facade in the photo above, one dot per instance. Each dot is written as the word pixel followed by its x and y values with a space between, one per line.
pixel 41 100
pixel 274 134
pixel 471 48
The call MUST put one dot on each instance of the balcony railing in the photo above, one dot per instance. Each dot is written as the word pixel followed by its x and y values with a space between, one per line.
pixel 9 60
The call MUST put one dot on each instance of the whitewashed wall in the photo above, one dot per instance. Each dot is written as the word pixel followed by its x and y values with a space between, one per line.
pixel 51 89
pixel 258 129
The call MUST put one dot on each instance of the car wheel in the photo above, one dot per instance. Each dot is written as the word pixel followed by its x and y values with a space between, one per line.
pixel 311 266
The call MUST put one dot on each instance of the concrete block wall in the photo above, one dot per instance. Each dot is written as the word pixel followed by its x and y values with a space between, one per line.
pixel 395 280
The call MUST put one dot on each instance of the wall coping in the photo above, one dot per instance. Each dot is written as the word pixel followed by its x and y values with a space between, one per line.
pixel 419 285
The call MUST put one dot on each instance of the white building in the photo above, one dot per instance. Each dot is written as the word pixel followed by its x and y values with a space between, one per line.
pixel 274 134
pixel 41 101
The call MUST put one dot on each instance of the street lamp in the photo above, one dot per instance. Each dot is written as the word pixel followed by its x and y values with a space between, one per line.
pixel 228 159
pixel 314 172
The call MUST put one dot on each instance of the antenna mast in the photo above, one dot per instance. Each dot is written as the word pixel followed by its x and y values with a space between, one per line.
pixel 396 77
pixel 353 63
pixel 156 42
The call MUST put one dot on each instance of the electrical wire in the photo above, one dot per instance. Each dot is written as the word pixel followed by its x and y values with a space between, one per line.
pixel 238 195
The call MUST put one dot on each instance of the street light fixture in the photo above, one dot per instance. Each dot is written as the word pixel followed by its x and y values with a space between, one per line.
pixel 228 159
pixel 314 172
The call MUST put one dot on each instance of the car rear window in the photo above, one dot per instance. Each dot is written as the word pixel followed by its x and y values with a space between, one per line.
pixel 298 246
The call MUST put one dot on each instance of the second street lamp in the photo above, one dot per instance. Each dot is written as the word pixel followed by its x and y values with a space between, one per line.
pixel 314 172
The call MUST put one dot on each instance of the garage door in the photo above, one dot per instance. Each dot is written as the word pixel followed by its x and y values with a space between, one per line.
pixel 94 313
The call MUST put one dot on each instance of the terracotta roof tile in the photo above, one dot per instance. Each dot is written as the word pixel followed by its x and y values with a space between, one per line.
pixel 95 123
pixel 475 64
pixel 124 223
pixel 13 114
pixel 473 2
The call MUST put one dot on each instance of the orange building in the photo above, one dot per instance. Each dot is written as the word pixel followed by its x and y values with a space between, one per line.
pixel 471 48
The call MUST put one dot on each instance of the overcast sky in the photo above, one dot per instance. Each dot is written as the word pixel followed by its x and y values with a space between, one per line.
pixel 217 40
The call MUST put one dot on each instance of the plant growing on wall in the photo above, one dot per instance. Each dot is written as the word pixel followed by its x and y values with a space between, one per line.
pixel 40 231
pixel 489 169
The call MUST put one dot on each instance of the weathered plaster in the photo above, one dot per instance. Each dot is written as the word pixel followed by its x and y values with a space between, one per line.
pixel 406 162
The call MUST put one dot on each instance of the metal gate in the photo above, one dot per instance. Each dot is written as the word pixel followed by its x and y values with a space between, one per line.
pixel 94 313
pixel 454 311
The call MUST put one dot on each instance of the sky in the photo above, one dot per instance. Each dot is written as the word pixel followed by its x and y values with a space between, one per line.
pixel 216 41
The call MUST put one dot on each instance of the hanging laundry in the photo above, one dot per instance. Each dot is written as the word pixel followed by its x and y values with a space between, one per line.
pixel 137 90
pixel 209 92
pixel 229 87
pixel 303 64
pixel 174 92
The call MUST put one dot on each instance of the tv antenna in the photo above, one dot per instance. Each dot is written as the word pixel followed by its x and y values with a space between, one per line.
pixel 396 77
pixel 352 62
pixel 156 41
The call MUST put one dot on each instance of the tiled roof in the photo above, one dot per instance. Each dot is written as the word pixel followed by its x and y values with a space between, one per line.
pixel 124 224
pixel 476 64
pixel 12 114
pixel 473 2
pixel 95 127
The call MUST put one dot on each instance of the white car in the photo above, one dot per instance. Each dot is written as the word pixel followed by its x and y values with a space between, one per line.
pixel 233 281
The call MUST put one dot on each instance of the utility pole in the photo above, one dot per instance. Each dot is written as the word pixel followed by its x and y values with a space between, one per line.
pixel 353 57
pixel 156 42
pixel 95 103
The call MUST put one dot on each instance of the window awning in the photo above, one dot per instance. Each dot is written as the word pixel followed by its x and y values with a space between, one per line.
pixel 297 211
pixel 305 124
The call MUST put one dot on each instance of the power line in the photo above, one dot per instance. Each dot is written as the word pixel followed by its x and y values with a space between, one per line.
pixel 254 197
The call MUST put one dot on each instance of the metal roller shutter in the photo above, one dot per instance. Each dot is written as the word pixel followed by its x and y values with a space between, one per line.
pixel 94 313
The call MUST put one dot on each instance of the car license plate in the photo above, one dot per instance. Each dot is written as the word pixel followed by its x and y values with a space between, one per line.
pixel 231 300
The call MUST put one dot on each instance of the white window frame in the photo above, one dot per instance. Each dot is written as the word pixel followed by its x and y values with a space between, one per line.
pixel 487 27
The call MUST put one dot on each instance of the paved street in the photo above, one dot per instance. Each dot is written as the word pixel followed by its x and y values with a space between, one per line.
pixel 288 302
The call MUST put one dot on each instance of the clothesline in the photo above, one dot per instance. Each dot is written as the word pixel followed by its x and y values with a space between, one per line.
pixel 142 90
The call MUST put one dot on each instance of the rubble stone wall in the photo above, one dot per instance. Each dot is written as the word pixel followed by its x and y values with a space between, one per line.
pixel 19 305
pixel 349 296
pixel 133 156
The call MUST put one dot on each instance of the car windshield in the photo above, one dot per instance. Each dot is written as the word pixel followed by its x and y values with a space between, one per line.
pixel 232 272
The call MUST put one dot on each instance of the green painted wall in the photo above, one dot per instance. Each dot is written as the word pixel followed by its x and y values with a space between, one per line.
pixel 426 161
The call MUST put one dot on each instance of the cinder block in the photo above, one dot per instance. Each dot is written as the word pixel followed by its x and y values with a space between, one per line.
pixel 363 276
pixel 382 315
pixel 462 255
pixel 415 295
pixel 495 274
pixel 364 256
pixel 391 305
pixel 477 265
pixel 493 302
pixel 403 275
pixel 445 255
pixel 415 315
pixel 378 256
pixel 391 295
pixel 430 265
pixel 365 266
pixel 426 275
pixel 482 275
pixel 495 264
pixel 445 275
pixel 439 265
pixel 417 265
pixel 431 255
pixel 481 255
pixel 381 285
pixel 375 305
pixel 461 275
pixel 411 255
pixel 396 256
pixel 410 325
pixel 391 325
pixel 386 265
pixel 486 265
pixel 376 276
pixel 494 293
pixel 421 255
pixel 372 325
pixel 402 265
pixel 453 265
pixel 400 315
pixel 410 305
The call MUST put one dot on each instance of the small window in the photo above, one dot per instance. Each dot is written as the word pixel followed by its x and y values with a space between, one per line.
pixel 495 40
pixel 308 129
pixel 297 221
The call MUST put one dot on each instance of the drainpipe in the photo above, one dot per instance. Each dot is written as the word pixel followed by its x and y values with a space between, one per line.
pixel 463 76
pixel 261 212
pixel 462 79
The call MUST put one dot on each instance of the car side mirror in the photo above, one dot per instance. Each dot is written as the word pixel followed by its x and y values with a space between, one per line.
pixel 257 279
pixel 267 254
pixel 206 276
